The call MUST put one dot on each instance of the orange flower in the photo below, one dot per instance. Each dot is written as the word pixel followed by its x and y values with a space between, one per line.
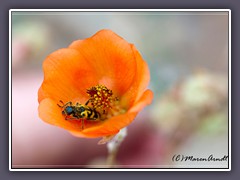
pixel 104 70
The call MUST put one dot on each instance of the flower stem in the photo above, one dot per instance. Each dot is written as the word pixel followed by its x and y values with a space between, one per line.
pixel 113 147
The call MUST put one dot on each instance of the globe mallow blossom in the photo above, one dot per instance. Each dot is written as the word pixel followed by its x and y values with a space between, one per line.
pixel 103 73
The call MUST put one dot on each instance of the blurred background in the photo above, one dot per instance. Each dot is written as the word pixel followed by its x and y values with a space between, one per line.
pixel 187 53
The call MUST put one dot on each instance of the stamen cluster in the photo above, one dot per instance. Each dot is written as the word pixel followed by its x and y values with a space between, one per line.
pixel 101 97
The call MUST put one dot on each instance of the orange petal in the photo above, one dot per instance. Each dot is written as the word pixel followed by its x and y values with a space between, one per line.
pixel 67 75
pixel 41 94
pixel 146 99
pixel 51 113
pixel 111 57
pixel 140 83
pixel 109 127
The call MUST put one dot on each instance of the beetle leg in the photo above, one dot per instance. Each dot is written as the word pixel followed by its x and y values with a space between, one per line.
pixel 68 103
pixel 82 124
pixel 70 118
pixel 87 102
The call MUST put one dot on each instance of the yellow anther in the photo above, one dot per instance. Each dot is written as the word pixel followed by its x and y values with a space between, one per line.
pixel 101 97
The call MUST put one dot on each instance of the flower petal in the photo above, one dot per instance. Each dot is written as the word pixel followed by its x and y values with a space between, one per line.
pixel 141 80
pixel 109 127
pixel 51 113
pixel 41 95
pixel 146 99
pixel 111 57
pixel 67 75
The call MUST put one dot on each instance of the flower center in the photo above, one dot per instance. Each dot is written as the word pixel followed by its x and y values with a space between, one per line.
pixel 102 99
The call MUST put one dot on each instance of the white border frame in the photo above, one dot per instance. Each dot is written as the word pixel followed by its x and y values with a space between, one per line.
pixel 120 10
